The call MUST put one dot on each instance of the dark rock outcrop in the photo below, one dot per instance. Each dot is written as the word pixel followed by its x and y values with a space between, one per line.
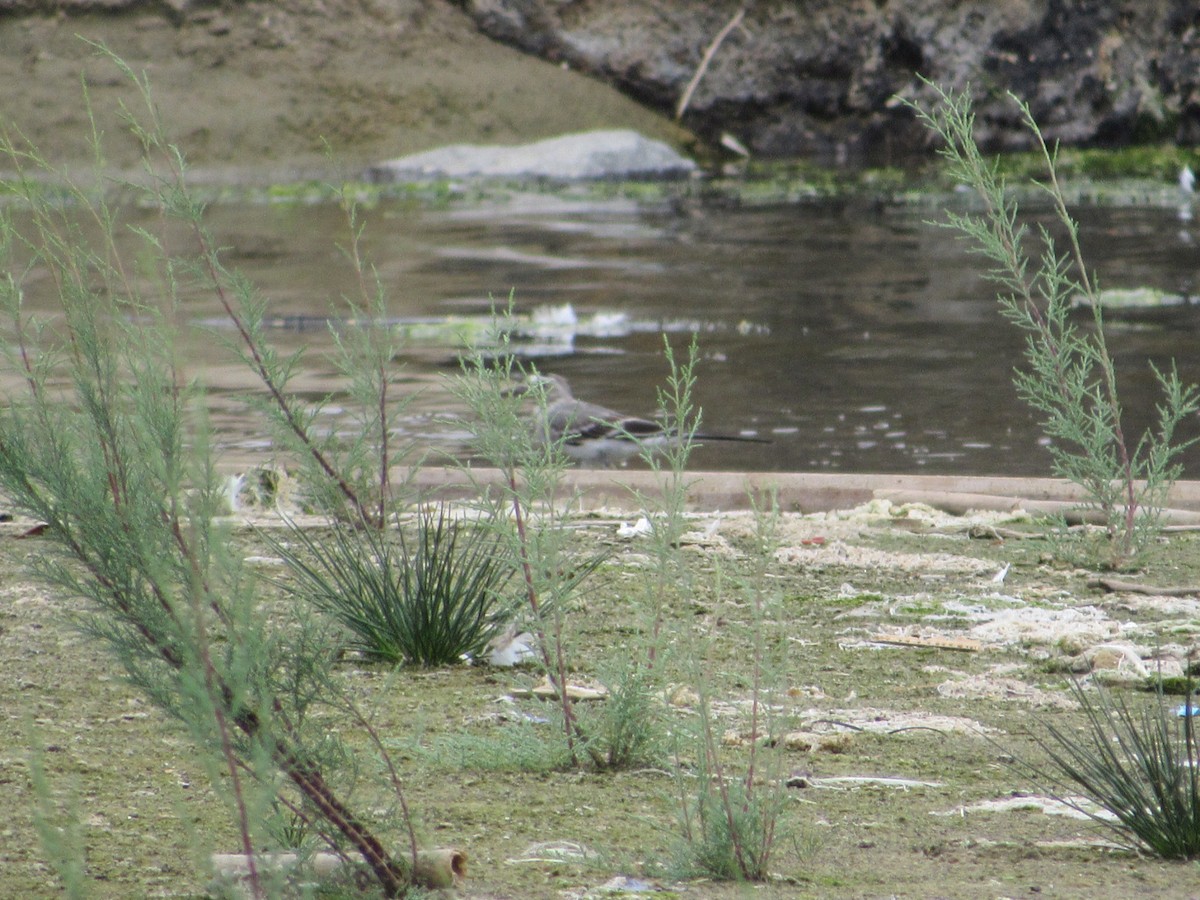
pixel 819 79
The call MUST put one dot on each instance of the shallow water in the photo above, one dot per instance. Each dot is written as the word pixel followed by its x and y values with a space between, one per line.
pixel 854 337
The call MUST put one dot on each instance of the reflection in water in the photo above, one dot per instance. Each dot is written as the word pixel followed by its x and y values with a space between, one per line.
pixel 855 339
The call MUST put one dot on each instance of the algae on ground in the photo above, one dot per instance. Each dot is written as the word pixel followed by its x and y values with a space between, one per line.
pixel 894 799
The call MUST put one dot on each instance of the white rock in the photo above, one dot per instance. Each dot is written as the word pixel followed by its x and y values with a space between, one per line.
pixel 571 157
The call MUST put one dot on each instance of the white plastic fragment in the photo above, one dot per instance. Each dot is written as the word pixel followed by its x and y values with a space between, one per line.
pixel 641 528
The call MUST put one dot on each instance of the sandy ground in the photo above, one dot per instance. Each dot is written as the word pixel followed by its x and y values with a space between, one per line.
pixel 254 91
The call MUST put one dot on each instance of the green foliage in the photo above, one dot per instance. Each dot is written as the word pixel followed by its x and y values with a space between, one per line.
pixel 1070 376
pixel 729 823
pixel 289 829
pixel 680 416
pixel 730 832
pixel 629 727
pixel 103 439
pixel 58 826
pixel 1161 162
pixel 531 508
pixel 520 746
pixel 1140 766
pixel 433 602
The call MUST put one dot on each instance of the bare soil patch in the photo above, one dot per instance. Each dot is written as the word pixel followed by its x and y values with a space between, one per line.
pixel 254 91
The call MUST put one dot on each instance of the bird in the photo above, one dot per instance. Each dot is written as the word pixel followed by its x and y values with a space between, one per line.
pixel 594 435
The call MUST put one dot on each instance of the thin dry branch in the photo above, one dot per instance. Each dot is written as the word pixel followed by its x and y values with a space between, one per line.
pixel 1115 586
pixel 705 60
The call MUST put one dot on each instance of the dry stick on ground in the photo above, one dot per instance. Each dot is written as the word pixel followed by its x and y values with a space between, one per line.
pixel 705 60
pixel 1116 586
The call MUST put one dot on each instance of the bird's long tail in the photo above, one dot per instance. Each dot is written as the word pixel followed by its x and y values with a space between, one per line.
pixel 743 438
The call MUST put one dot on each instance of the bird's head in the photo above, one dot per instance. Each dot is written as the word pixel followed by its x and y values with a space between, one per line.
pixel 552 387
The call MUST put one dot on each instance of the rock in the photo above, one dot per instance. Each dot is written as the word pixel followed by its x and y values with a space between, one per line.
pixel 809 741
pixel 820 79
pixel 1118 656
pixel 817 80
pixel 572 157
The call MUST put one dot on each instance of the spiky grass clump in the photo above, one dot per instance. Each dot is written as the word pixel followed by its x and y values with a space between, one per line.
pixel 429 603
pixel 1141 766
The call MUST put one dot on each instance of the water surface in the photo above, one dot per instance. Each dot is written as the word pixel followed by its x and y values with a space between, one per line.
pixel 854 336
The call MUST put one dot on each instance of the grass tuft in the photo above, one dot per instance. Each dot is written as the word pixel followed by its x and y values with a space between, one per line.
pixel 433 602
pixel 1140 766
pixel 730 833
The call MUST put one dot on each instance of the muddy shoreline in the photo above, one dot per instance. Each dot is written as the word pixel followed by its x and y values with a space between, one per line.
pixel 265 92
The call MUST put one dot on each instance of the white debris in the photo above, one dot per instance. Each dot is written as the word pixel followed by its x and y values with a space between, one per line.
pixel 853 781
pixel 643 527
pixel 1071 807
pixel 990 687
pixel 1077 626
pixel 842 555
pixel 554 851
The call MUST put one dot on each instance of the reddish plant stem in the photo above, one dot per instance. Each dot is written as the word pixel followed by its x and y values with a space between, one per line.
pixel 291 417
pixel 393 776
pixel 393 878
pixel 718 771
pixel 231 761
pixel 556 668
